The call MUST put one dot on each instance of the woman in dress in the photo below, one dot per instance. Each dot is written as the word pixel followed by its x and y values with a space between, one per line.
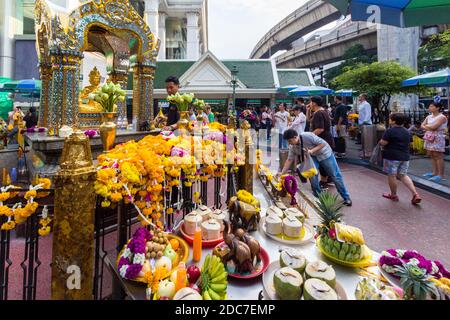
pixel 434 126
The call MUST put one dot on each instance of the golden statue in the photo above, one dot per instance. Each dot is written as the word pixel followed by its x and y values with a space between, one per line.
pixel 86 105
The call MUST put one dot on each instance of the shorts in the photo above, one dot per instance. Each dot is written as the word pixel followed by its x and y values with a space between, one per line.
pixel 394 167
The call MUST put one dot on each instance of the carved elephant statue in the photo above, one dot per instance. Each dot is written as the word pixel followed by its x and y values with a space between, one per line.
pixel 243 215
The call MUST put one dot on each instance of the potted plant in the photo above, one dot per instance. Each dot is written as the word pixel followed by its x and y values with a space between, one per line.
pixel 107 96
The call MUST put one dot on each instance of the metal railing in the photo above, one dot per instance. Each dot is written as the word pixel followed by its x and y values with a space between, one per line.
pixel 23 241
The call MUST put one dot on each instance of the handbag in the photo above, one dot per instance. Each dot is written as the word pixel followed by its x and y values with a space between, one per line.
pixel 429 136
pixel 377 157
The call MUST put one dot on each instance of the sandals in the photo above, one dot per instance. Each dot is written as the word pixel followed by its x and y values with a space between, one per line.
pixel 416 199
pixel 390 197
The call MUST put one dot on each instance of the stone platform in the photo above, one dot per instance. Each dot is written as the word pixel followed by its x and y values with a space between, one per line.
pixel 44 151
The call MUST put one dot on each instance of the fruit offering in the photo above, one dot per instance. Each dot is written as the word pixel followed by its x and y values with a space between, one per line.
pixel 349 234
pixel 374 289
pixel 149 251
pixel 285 223
pixel 316 289
pixel 310 281
pixel 157 246
pixel 294 259
pixel 187 294
pixel 213 279
pixel 288 284
pixel 322 271
pixel 349 247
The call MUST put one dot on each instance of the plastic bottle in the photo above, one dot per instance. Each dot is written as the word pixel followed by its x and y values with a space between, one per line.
pixel 197 244
pixel 181 276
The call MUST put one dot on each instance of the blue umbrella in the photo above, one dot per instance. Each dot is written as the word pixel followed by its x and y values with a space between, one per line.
pixel 310 91
pixel 400 13
pixel 346 92
pixel 434 79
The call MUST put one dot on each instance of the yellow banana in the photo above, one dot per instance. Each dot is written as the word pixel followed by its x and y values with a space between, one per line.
pixel 218 288
pixel 206 263
pixel 206 295
pixel 219 279
pixel 214 265
pixel 213 294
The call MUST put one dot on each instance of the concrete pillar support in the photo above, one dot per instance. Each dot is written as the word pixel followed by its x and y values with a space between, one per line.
pixel 193 36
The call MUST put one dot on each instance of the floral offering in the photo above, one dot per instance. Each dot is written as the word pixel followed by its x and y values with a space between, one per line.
pixel 393 258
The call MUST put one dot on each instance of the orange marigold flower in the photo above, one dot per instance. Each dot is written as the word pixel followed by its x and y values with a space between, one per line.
pixel 30 194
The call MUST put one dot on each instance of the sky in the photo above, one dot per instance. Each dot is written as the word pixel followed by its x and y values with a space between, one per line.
pixel 236 26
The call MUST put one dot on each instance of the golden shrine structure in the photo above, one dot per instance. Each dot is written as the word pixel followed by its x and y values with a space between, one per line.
pixel 111 27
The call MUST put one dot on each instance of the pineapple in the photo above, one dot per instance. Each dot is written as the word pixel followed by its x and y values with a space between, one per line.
pixel 415 282
pixel 329 210
pixel 330 213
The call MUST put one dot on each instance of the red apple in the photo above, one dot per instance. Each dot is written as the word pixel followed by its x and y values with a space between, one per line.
pixel 193 273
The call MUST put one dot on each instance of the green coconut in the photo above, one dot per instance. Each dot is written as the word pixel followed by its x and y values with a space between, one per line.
pixel 321 270
pixel 288 284
pixel 316 289
pixel 293 258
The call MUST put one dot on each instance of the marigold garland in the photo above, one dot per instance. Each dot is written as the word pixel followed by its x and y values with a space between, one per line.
pixel 17 215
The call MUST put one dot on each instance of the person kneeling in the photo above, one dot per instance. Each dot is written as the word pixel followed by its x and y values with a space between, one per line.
pixel 323 156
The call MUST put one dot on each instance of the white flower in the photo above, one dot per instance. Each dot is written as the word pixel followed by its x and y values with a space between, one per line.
pixel 127 253
pixel 434 268
pixel 413 262
pixel 123 271
pixel 139 258
pixel 400 253
pixel 389 269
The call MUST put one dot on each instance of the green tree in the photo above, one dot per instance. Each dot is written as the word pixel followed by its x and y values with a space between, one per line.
pixel 380 80
pixel 353 56
pixel 435 54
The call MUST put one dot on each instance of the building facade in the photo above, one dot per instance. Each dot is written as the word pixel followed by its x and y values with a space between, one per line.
pixel 181 26
pixel 258 82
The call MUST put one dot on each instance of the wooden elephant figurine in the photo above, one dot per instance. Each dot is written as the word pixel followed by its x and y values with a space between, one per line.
pixel 243 215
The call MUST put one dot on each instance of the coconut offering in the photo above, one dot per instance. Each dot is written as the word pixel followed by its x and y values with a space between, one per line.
pixel 211 230
pixel 191 221
pixel 294 212
pixel 316 289
pixel 204 212
pixel 288 284
pixel 273 210
pixel 292 227
pixel 274 224
pixel 219 217
pixel 294 259
pixel 321 270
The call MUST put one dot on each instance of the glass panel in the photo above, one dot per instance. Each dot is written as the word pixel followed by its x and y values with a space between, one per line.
pixel 175 39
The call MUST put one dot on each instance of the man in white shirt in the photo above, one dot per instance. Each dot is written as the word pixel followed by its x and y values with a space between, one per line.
pixel 364 111
pixel 281 124
pixel 299 122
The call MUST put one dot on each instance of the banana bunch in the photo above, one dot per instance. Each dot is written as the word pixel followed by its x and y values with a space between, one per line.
pixel 349 234
pixel 213 279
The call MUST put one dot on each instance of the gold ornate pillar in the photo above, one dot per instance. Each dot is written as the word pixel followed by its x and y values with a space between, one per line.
pixel 245 175
pixel 46 79
pixel 143 93
pixel 73 229
pixel 65 88
pixel 120 77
